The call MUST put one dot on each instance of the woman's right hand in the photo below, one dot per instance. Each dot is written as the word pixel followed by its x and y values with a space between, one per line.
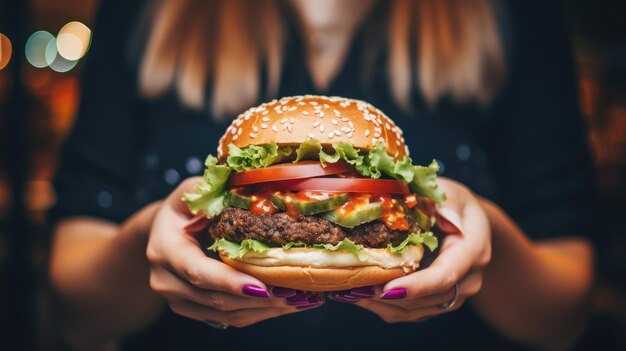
pixel 203 288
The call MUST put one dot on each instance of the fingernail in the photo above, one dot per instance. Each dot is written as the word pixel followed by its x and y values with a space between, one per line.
pixel 311 305
pixel 394 294
pixel 255 291
pixel 363 291
pixel 283 292
pixel 448 220
pixel 344 298
pixel 297 300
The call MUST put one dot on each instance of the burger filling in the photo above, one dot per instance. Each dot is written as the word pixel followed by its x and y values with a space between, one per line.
pixel 333 199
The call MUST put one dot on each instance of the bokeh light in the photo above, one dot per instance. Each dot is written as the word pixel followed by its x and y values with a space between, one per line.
pixel 5 51
pixel 55 61
pixel 36 48
pixel 73 40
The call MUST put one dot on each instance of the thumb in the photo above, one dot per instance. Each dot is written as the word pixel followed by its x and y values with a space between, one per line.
pixel 175 199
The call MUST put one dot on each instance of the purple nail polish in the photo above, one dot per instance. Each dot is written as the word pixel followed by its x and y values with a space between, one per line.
pixel 364 292
pixel 310 305
pixel 283 292
pixel 255 291
pixel 297 300
pixel 344 298
pixel 394 294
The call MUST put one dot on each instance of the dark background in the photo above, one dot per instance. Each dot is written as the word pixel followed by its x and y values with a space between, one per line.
pixel 37 108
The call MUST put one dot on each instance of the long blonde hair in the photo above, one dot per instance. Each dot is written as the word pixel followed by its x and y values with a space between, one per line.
pixel 445 46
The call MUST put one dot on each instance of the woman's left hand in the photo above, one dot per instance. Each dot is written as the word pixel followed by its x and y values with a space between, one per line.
pixel 455 275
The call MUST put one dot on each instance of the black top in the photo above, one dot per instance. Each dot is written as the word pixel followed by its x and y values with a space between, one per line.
pixel 526 152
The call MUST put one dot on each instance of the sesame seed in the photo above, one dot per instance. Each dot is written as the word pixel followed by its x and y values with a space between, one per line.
pixel 326 106
pixel 233 131
pixel 397 142
pixel 238 122
pixel 349 135
pixel 367 132
pixel 322 128
pixel 239 131
pixel 246 117
pixel 314 103
pixel 265 119
pixel 376 135
pixel 265 112
pixel 301 103
pixel 316 123
pixel 252 135
pixel 351 124
pixel 337 112
pixel 274 128
pixel 345 119
pixel 311 135
pixel 292 108
pixel 264 125
pixel 235 137
pixel 334 121
pixel 292 120
pixel 321 113
pixel 255 129
pixel 337 133
pixel 345 129
pixel 387 125
pixel 284 120
pixel 306 113
pixel 331 135
pixel 289 128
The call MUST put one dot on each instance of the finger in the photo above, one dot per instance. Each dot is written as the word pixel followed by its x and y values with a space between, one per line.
pixel 182 254
pixel 452 264
pixel 395 314
pixel 204 272
pixel 174 200
pixel 468 287
pixel 169 285
pixel 238 318
pixel 197 224
pixel 458 255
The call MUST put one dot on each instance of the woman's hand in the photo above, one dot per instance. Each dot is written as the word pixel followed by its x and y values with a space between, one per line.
pixel 431 291
pixel 203 288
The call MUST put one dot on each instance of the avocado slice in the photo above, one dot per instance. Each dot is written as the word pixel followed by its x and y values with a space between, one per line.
pixel 278 201
pixel 311 207
pixel 363 214
pixel 239 201
pixel 418 216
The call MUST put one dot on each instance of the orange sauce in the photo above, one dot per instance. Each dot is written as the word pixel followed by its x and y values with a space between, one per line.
pixel 393 214
pixel 262 205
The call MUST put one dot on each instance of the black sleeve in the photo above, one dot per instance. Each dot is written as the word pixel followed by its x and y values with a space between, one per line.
pixel 543 162
pixel 99 157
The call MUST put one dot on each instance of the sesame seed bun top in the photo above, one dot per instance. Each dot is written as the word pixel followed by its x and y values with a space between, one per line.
pixel 292 120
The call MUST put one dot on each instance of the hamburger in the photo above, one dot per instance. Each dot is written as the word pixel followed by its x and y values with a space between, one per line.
pixel 317 193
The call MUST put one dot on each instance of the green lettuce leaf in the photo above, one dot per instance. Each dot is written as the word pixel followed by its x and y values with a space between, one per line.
pixel 234 250
pixel 345 244
pixel 426 238
pixel 255 156
pixel 425 182
pixel 210 194
pixel 211 197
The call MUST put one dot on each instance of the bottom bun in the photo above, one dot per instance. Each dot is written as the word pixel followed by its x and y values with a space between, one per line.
pixel 317 279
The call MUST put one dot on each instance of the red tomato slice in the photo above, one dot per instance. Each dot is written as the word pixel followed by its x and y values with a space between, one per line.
pixel 352 185
pixel 285 171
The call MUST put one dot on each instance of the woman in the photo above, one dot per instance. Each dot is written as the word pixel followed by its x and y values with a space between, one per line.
pixel 485 87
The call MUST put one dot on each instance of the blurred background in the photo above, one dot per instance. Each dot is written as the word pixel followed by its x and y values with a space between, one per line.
pixel 43 45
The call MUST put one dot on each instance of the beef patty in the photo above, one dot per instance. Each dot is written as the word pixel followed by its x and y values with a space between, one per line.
pixel 278 229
